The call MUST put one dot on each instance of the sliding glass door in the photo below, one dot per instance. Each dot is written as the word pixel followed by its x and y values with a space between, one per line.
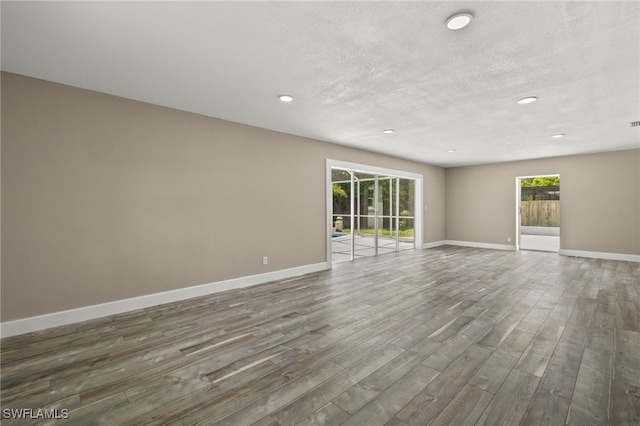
pixel 372 214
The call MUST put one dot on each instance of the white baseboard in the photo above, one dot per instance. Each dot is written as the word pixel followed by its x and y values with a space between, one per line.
pixel 506 247
pixel 56 319
pixel 601 255
pixel 563 252
pixel 433 244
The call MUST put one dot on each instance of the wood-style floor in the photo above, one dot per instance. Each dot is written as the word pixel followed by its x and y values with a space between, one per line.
pixel 446 336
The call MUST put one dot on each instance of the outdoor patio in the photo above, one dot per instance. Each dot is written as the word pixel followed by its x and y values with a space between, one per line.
pixel 540 242
pixel 364 246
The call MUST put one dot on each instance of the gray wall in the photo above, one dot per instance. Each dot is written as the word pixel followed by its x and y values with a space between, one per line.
pixel 105 198
pixel 599 203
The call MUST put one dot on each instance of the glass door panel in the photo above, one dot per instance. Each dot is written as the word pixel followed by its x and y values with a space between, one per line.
pixel 364 235
pixel 386 217
pixel 406 214
pixel 341 241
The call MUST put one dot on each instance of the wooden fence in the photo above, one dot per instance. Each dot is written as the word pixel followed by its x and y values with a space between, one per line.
pixel 541 213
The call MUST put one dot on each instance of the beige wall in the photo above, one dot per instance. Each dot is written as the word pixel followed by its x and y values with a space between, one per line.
pixel 599 206
pixel 105 198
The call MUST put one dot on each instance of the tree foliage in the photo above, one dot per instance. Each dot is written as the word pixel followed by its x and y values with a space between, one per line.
pixel 338 191
pixel 540 181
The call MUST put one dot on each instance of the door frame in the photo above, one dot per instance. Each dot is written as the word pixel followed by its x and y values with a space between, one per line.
pixel 362 168
pixel 519 203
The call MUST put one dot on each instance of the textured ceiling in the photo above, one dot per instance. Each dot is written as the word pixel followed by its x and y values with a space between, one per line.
pixel 356 68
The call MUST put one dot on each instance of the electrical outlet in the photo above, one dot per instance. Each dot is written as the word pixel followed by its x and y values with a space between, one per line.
pixel 508 239
pixel 265 260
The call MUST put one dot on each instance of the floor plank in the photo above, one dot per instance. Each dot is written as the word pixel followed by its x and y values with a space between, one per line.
pixel 449 335
pixel 465 408
pixel 510 403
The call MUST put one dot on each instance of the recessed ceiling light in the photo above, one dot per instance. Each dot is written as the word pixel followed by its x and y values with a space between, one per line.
pixel 388 130
pixel 558 135
pixel 459 20
pixel 527 100
pixel 285 98
pixel 451 150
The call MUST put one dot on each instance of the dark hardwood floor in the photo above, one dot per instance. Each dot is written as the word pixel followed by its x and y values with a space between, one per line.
pixel 446 336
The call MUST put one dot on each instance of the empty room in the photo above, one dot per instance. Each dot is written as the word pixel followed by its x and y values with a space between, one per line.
pixel 320 213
